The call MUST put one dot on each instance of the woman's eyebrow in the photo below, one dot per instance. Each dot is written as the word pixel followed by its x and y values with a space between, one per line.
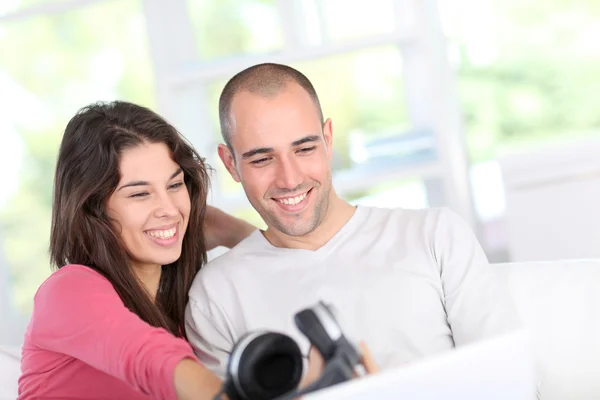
pixel 145 183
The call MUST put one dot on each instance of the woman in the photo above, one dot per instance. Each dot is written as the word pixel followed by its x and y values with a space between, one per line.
pixel 127 238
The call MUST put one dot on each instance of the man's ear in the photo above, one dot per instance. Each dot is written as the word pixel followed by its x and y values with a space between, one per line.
pixel 328 136
pixel 229 161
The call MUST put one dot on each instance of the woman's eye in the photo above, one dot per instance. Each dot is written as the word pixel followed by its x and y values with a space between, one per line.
pixel 140 194
pixel 176 185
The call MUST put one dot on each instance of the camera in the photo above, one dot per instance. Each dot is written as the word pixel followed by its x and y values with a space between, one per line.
pixel 266 365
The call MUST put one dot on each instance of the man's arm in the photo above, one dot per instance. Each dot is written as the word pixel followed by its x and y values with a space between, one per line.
pixel 223 229
pixel 477 305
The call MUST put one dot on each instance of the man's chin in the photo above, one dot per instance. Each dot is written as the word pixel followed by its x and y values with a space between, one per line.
pixel 290 224
pixel 294 229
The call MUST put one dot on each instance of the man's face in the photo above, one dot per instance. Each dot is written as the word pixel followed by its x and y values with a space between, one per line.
pixel 281 155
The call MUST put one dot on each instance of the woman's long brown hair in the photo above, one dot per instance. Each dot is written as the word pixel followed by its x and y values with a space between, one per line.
pixel 87 173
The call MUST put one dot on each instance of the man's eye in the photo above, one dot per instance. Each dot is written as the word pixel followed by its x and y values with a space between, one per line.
pixel 260 161
pixel 307 149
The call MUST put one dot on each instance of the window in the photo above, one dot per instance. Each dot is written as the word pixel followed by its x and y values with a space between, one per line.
pixel 50 66
pixel 76 52
pixel 12 6
pixel 527 72
pixel 344 20
pixel 225 28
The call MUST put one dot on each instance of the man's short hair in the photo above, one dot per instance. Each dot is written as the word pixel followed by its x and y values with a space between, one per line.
pixel 266 80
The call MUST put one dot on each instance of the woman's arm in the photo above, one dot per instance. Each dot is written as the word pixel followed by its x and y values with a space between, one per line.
pixel 195 382
pixel 78 313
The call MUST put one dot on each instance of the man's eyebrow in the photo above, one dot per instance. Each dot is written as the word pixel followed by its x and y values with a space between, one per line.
pixel 307 139
pixel 253 152
pixel 266 150
pixel 145 183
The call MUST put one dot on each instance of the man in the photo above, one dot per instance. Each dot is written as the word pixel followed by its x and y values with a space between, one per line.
pixel 410 283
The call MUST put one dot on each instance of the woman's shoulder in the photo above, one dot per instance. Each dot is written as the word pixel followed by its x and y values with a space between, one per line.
pixel 69 300
pixel 73 278
pixel 74 272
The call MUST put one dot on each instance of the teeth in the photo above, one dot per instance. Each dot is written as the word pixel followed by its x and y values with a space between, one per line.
pixel 164 234
pixel 293 200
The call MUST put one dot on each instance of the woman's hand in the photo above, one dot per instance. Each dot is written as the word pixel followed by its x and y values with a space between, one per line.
pixel 193 381
pixel 222 229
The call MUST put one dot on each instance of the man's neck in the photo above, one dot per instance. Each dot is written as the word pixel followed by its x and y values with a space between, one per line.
pixel 337 215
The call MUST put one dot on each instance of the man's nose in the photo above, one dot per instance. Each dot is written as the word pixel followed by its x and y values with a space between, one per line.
pixel 289 174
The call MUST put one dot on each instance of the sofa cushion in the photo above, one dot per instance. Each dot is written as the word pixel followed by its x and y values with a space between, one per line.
pixel 559 303
pixel 9 371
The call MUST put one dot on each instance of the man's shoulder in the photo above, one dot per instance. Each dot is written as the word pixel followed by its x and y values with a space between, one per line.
pixel 229 260
pixel 433 214
pixel 244 252
pixel 223 268
pixel 426 222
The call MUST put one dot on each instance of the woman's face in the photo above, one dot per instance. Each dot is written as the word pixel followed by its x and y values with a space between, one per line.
pixel 150 207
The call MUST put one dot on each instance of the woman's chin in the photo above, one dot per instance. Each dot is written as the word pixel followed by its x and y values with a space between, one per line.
pixel 166 258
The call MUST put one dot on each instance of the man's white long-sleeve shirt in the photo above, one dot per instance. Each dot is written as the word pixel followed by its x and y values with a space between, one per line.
pixel 410 283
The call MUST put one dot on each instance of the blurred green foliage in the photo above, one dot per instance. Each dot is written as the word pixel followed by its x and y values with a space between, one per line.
pixel 537 84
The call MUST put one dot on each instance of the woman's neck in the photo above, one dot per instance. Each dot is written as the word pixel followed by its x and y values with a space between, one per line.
pixel 149 276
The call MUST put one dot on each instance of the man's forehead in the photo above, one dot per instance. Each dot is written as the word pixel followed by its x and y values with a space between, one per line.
pixel 245 139
pixel 271 121
pixel 245 98
pixel 290 95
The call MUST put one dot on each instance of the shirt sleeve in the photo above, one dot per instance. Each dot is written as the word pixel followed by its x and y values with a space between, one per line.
pixel 477 305
pixel 78 313
pixel 208 334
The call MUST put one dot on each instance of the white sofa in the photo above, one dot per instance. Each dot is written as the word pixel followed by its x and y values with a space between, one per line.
pixel 9 372
pixel 558 301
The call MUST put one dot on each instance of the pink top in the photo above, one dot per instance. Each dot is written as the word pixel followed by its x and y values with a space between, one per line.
pixel 83 343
